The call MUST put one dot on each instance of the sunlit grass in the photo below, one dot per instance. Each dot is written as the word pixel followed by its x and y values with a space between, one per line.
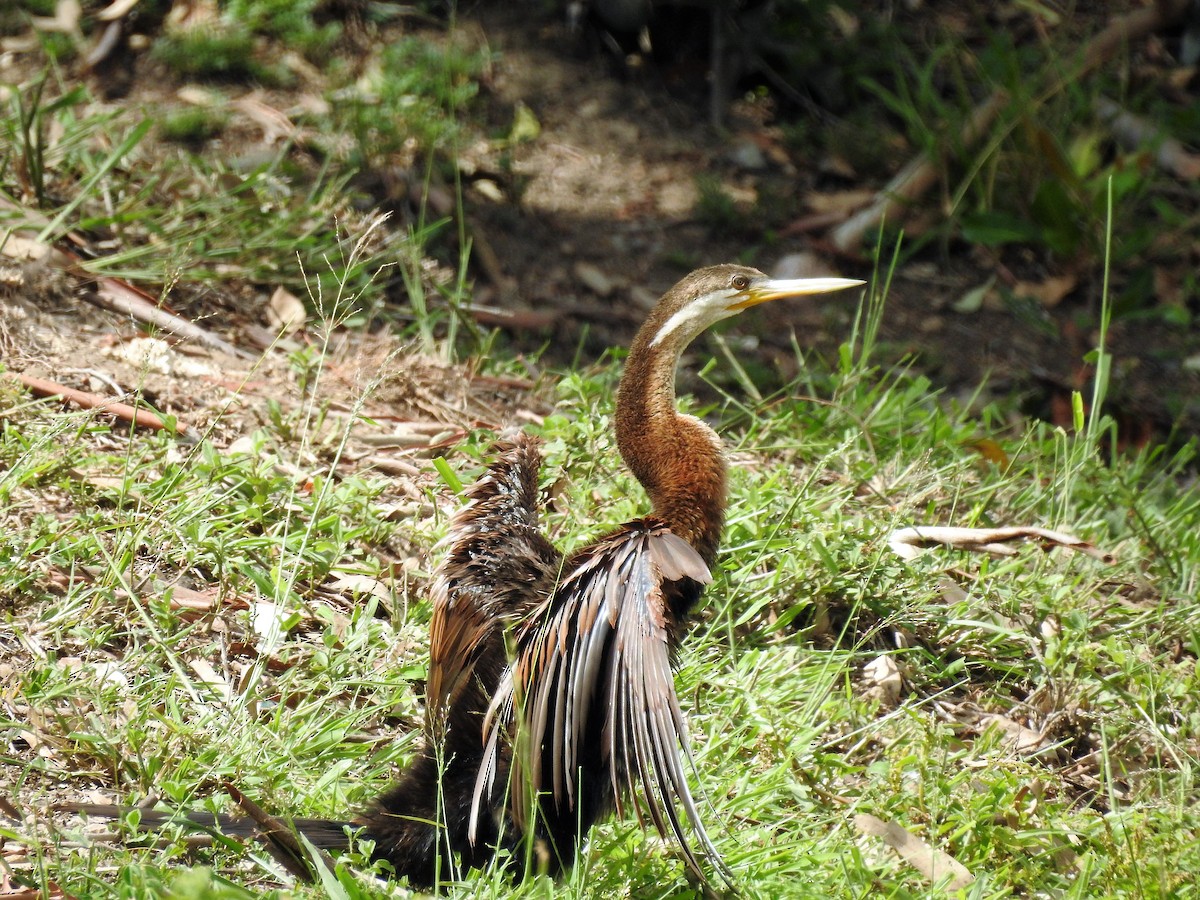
pixel 301 681
pixel 791 742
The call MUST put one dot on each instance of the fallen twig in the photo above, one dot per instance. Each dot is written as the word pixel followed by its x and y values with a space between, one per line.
pixel 389 465
pixel 513 319
pixel 280 838
pixel 489 261
pixel 1133 132
pixel 122 297
pixel 908 543
pixel 113 294
pixel 913 180
pixel 139 416
pixel 814 222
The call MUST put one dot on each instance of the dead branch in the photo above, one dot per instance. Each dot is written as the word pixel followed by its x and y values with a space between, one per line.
pixel 484 254
pixel 139 416
pixel 932 863
pixel 113 294
pixel 280 838
pixel 389 465
pixel 513 319
pixel 911 182
pixel 122 297
pixel 1133 132
pixel 921 172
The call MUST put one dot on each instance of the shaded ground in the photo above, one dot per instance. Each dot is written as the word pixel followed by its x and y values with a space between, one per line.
pixel 600 216
pixel 622 186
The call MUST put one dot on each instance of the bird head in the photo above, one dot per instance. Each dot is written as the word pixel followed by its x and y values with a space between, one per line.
pixel 709 295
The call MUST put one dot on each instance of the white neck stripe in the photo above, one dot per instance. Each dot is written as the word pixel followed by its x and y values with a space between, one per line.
pixel 697 315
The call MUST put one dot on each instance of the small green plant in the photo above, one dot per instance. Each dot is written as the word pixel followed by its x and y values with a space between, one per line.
pixel 408 102
pixel 294 22
pixel 25 130
pixel 224 51
pixel 1041 176
pixel 229 48
pixel 192 126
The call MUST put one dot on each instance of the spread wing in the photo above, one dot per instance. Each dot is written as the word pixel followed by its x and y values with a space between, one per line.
pixel 589 705
pixel 497 567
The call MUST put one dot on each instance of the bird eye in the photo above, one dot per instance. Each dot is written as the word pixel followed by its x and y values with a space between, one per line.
pixel 740 282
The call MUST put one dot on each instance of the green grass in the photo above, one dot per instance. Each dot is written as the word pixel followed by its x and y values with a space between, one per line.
pixel 249 214
pixel 314 714
pixel 300 681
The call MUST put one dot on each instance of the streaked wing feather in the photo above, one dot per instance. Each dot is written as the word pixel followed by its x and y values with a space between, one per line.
pixel 497 567
pixel 596 661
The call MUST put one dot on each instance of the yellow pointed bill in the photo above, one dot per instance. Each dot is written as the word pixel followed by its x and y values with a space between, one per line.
pixel 777 288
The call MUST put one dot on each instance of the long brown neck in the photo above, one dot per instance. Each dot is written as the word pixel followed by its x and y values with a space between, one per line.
pixel 677 458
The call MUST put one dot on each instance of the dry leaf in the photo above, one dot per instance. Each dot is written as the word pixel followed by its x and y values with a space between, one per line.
pixel 286 312
pixel 21 248
pixel 269 622
pixel 837 165
pixel 846 23
pixel 116 10
pixel 192 14
pixel 973 300
pixel 991 451
pixel 1017 738
pixel 359 584
pixel 67 14
pixel 883 675
pixel 10 891
pixel 489 189
pixel 526 126
pixel 196 95
pixel 1048 293
pixel 838 201
pixel 210 677
pixel 207 600
pixel 110 673
pixel 908 543
pixel 275 124
pixel 933 864
pixel 594 280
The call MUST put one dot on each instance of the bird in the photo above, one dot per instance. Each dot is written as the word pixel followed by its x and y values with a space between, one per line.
pixel 550 699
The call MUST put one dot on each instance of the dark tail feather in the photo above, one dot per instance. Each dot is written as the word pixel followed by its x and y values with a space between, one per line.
pixel 277 835
pixel 419 826
pixel 324 834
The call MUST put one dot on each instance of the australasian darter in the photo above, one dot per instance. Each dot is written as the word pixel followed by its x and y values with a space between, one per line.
pixel 524 751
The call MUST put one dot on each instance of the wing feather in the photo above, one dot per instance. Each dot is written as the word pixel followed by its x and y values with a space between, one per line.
pixel 600 721
pixel 498 566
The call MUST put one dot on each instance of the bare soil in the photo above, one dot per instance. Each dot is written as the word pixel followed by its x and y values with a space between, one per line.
pixel 577 231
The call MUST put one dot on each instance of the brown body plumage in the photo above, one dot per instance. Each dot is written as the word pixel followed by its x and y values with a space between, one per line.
pixel 525 754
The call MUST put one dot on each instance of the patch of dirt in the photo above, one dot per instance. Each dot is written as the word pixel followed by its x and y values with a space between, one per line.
pixel 578 229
